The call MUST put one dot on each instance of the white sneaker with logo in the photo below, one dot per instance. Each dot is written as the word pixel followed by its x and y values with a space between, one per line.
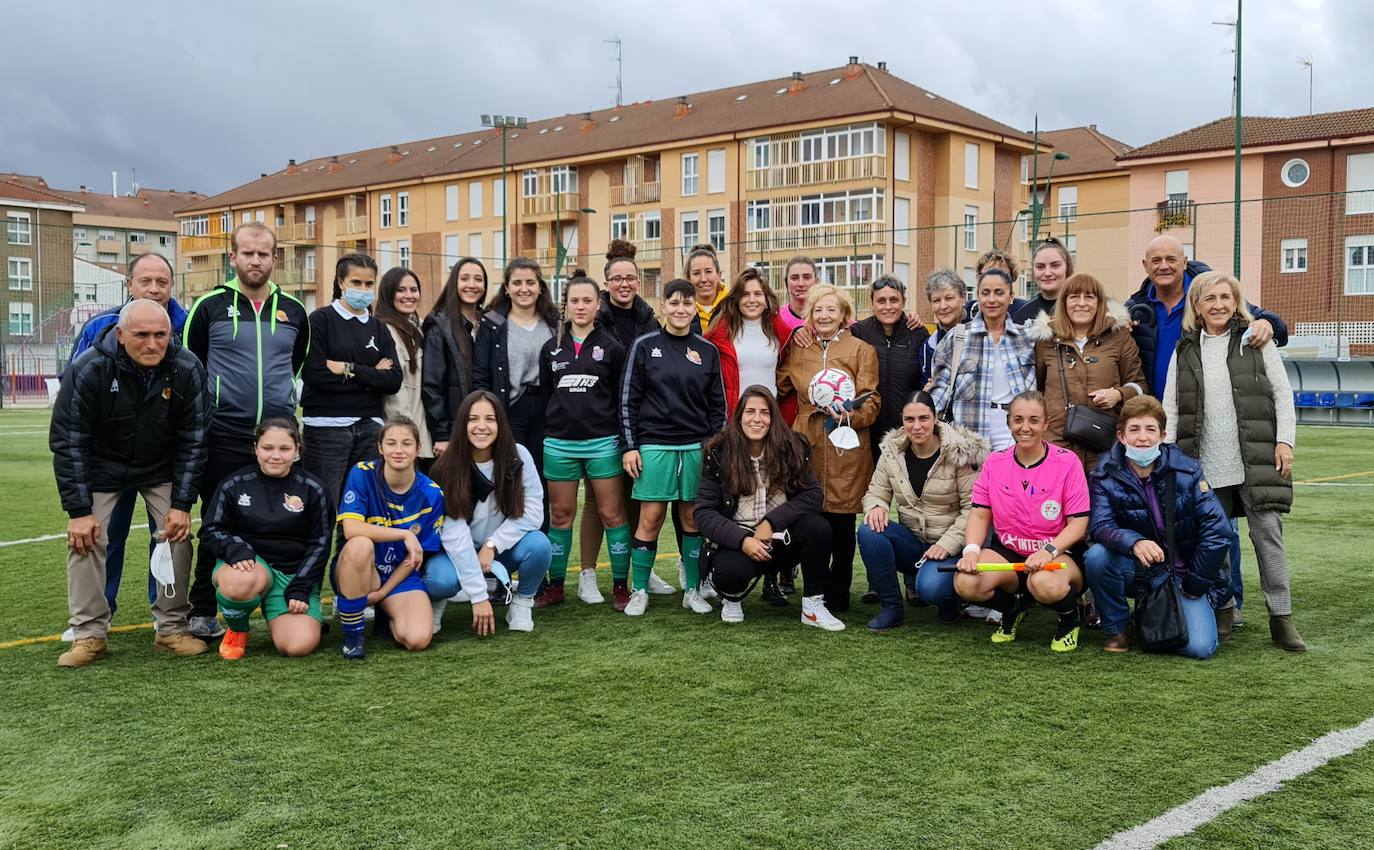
pixel 708 589
pixel 638 604
pixel 439 606
pixel 520 614
pixel 660 587
pixel 587 590
pixel 731 611
pixel 69 635
pixel 681 573
pixel 814 613
pixel 692 601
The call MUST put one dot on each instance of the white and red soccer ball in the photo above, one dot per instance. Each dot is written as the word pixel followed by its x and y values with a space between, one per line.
pixel 830 386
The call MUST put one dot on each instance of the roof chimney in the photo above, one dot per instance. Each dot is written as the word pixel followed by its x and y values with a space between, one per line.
pixel 587 122
pixel 291 167
pixel 797 84
pixel 84 189
pixel 853 69
pixel 334 165
pixel 263 175
pixel 882 66
pixel 682 107
pixel 394 156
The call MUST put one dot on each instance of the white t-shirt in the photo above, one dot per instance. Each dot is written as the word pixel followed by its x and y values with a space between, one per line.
pixel 998 432
pixel 757 356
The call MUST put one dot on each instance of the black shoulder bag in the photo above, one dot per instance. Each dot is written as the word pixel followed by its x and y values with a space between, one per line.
pixel 1085 425
pixel 1159 622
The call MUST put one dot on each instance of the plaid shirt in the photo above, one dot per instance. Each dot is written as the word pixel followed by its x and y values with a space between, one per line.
pixel 971 387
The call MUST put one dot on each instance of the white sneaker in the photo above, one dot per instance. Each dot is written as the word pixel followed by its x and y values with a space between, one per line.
pixel 460 596
pixel 439 606
pixel 681 573
pixel 69 636
pixel 731 611
pixel 692 601
pixel 638 604
pixel 520 614
pixel 660 587
pixel 369 614
pixel 993 617
pixel 587 590
pixel 976 612
pixel 814 613
pixel 708 589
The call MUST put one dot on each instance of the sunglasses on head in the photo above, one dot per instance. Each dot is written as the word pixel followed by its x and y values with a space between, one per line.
pixel 889 283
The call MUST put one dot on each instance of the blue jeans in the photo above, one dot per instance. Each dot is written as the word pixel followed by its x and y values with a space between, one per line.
pixel 1237 586
pixel 118 534
pixel 897 549
pixel 1112 579
pixel 529 559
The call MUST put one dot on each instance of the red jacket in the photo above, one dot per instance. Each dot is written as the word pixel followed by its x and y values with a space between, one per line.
pixel 719 336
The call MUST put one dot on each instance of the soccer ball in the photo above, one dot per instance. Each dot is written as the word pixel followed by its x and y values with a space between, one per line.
pixel 829 386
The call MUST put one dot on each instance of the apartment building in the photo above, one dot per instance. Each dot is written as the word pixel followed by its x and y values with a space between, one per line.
pixel 116 228
pixel 36 256
pixel 1307 217
pixel 852 165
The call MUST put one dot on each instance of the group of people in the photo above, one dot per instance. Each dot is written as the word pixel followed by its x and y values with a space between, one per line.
pixel 1034 450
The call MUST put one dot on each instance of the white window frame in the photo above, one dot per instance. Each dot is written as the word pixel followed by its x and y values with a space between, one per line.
pixel 384 207
pixel 762 154
pixel 384 255
pixel 901 157
pixel 901 221
pixel 1283 173
pixel 19 275
pixel 1365 268
pixel 758 216
pixel 402 209
pixel 970 228
pixel 495 244
pixel 1071 245
pixel 451 202
pixel 498 197
pixel 691 174
pixel 716 237
pixel 403 253
pixel 475 199
pixel 260 216
pixel 309 263
pixel 23 311
pixel 620 225
pixel 453 250
pixel 563 180
pixel 1293 256
pixel 138 238
pixel 715 171
pixel 196 225
pixel 529 183
pixel 19 228
pixel 651 225
pixel 972 151
pixel 1068 203
pixel 226 222
pixel 1359 184
pixel 695 239
pixel 309 213
pixel 474 244
pixel 1176 185
pixel 246 217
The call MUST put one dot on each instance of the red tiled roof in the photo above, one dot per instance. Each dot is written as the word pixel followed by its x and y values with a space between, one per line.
pixel 1090 151
pixel 1256 131
pixel 24 190
pixel 148 204
pixel 828 94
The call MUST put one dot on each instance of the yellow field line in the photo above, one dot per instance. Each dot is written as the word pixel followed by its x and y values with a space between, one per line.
pixel 11 644
pixel 1337 477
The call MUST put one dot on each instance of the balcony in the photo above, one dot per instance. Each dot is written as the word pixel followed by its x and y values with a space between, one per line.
pixel 637 193
pixel 301 231
pixel 202 244
pixel 868 167
pixel 199 282
pixel 355 225
pixel 860 234
pixel 1175 212
pixel 650 250
pixel 109 246
pixel 561 203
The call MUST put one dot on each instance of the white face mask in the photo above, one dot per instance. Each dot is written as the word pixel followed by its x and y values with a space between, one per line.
pixel 844 437
pixel 161 568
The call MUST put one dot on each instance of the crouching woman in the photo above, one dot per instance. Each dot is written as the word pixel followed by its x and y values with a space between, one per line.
pixel 1132 489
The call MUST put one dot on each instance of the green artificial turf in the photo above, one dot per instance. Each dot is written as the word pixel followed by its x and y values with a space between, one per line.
pixel 674 730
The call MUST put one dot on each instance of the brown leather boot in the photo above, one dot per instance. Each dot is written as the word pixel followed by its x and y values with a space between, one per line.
pixel 83 652
pixel 1285 634
pixel 1226 621
pixel 181 643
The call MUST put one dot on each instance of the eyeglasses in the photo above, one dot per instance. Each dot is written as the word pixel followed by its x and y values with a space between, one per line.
pixel 623 278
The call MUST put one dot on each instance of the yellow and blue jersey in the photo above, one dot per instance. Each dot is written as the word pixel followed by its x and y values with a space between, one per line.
pixel 367 498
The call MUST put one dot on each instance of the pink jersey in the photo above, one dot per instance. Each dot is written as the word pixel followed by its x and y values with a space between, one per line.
pixel 1031 506
pixel 789 319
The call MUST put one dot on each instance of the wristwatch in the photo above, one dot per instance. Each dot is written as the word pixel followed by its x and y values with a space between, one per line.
pixel 1050 547
pixel 490 544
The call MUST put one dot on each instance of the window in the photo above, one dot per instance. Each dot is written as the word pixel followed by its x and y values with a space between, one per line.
pixel 810 210
pixel 970 228
pixel 970 281
pixel 691 231
pixel 402 209
pixel 20 274
pixel 498 197
pixel 226 222
pixel 451 202
pixel 1359 265
pixel 196 226
pixel 715 228
pixel 1068 203
pixel 246 217
pixel 279 220
pixel 384 255
pixel 715 171
pixel 136 238
pixel 813 146
pixel 309 213
pixel 849 271
pixel 620 226
pixel 758 215
pixel 1071 243
pixel 474 245
pixel 763 153
pixel 1293 255
pixel 107 235
pixel 563 180
pixel 19 227
pixel 310 264
pixel 386 211
pixel 902 271
pixel 495 243
pixel 451 251
pixel 529 183
pixel 475 199
pixel 1295 173
pixel 21 318
pixel 652 225
pixel 1359 182
pixel 971 165
pixel 78 233
pixel 691 182
pixel 1176 185
pixel 901 156
pixel 163 240
pixel 901 221
pixel 260 216
pixel 403 253
pixel 1025 168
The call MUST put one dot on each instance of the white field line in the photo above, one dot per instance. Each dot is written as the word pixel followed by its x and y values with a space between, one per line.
pixel 63 536
pixel 1212 803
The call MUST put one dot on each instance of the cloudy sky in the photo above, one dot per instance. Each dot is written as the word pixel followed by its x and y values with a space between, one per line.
pixel 206 96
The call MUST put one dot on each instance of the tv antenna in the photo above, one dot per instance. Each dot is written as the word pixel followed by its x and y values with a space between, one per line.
pixel 619 67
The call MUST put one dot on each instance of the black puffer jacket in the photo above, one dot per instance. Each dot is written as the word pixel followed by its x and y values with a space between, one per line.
pixel 445 375
pixel 116 426
pixel 645 320
pixel 715 508
pixel 899 369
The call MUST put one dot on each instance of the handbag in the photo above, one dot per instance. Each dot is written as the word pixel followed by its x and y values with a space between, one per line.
pixel 1085 425
pixel 1159 621
pixel 956 354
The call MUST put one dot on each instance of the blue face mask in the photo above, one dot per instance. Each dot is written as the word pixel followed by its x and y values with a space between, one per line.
pixel 1142 457
pixel 358 299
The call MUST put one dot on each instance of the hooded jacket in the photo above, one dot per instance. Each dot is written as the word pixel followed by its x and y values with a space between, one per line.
pixel 116 426
pixel 445 374
pixel 940 513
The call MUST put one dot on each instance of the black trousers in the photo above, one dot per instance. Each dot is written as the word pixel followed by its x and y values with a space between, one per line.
pixel 732 571
pixel 843 532
pixel 527 427
pixel 225 455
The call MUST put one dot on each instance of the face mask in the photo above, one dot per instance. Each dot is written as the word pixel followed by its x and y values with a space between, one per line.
pixel 1142 457
pixel 358 299
pixel 161 568
pixel 844 437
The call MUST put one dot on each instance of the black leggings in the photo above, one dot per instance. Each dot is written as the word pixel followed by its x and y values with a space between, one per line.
pixel 733 572
pixel 843 528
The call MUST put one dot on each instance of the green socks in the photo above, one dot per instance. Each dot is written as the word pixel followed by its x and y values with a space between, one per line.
pixel 691 560
pixel 642 556
pixel 235 611
pixel 618 542
pixel 560 541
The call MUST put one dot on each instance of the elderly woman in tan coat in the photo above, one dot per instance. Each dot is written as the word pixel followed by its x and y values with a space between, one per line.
pixel 1090 339
pixel 838 431
pixel 928 468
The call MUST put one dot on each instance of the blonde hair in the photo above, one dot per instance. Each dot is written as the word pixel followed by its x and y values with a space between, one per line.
pixel 1201 285
pixel 820 291
pixel 1081 282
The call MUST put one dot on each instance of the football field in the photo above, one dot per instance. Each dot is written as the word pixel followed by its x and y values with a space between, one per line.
pixel 676 731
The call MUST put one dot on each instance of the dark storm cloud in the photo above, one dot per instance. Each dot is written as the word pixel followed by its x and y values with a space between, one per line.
pixel 206 97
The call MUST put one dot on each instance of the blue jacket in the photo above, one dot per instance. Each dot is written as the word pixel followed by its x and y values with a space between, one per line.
pixel 91 331
pixel 1121 516
pixel 1146 332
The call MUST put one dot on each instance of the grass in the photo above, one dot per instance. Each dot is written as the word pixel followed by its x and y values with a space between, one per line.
pixel 675 731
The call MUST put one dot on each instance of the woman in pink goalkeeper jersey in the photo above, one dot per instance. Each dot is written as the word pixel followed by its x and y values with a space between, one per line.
pixel 1034 498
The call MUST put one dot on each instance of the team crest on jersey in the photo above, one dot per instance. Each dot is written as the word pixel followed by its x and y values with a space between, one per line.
pixel 655 352
pixel 1049 509
pixel 245 500
pixel 294 504
pixel 556 366
pixel 281 315
pixel 350 497
pixel 415 529
pixel 598 354
pixel 166 393
pixel 693 356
